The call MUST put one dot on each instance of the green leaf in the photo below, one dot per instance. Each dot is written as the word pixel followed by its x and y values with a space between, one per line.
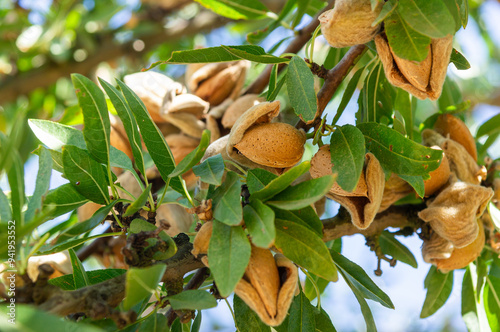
pixel 258 178
pixel 56 157
pixel 195 327
pixel 490 127
pixel 142 283
pixel 15 176
pixel 438 287
pixel 42 184
pixel 66 282
pixel 193 157
pixel 259 220
pixel 348 92
pixel 47 249
pixel 153 138
pixel 139 202
pixel 301 195
pixel 347 149
pixel 403 106
pixel 254 53
pixel 405 42
pixel 211 170
pixel 305 248
pixel 236 9
pixel 96 125
pixel 392 247
pixel 87 225
pixel 387 10
pixel 274 185
pixel 300 87
pixel 306 217
pixel 227 201
pixel 397 153
pixel 64 199
pixel 469 303
pixel 451 94
pixel 302 315
pixel 86 174
pixel 356 276
pixel 492 302
pixel 323 321
pixel 228 253
pixel 365 309
pixel 431 18
pixel 375 99
pixel 5 210
pixel 454 9
pixel 301 10
pixel 272 95
pixel 30 319
pixel 417 183
pixel 192 300
pixel 464 12
pixel 273 80
pixel 155 323
pixel 80 278
pixel 246 319
pixel 129 123
pixel 141 225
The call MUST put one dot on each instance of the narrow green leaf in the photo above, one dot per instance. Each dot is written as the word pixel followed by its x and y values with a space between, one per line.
pixel 301 195
pixel 310 289
pixel 417 183
pixel 431 18
pixel 469 304
pixel 355 275
pixel 323 321
pixel 403 106
pixel 464 12
pixel 5 210
pixel 142 283
pixel 48 249
pixel 96 125
pixel 259 220
pixel 141 225
pixel 300 87
pixel 258 178
pixel 154 323
pixel 305 248
pixel 56 157
pixel 492 302
pixel 64 199
pixel 347 149
pixel 41 186
pixel 236 9
pixel 454 9
pixel 195 327
pixel 254 54
pixel 397 153
pixel 276 184
pixel 15 176
pixel 376 97
pixel 80 278
pixel 227 201
pixel 387 10
pixel 153 138
pixel 65 282
pixel 86 174
pixel 365 309
pixel 306 217
pixel 281 81
pixel 192 300
pixel 392 247
pixel 246 319
pixel 139 202
pixel 490 127
pixel 301 10
pixel 404 41
pixel 438 287
pixel 451 94
pixel 273 80
pixel 193 157
pixel 348 92
pixel 129 123
pixel 211 170
pixel 302 315
pixel 228 253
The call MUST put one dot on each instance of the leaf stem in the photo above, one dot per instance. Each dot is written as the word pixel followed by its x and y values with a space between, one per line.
pixel 318 293
pixel 232 163
pixel 158 203
pixel 232 314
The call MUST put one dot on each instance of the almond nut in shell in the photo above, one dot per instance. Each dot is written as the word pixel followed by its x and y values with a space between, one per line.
pixel 439 176
pixel 452 127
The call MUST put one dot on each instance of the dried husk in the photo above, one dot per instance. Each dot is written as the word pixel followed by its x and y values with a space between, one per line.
pixel 173 218
pixel 254 295
pixel 276 145
pixel 187 103
pixel 395 188
pixel 436 248
pixel 155 90
pixel 188 123
pixel 349 23
pixel 60 262
pixel 213 126
pixel 112 257
pixel 461 257
pixel 439 176
pixel 440 52
pixel 496 189
pixel 364 201
pixel 238 107
pixel 202 240
pixel 181 145
pixel 453 213
pixel 453 128
pixel 196 73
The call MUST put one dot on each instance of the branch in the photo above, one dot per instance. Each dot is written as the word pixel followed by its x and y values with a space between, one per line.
pixel 334 78
pixel 22 84
pixel 396 216
pixel 295 46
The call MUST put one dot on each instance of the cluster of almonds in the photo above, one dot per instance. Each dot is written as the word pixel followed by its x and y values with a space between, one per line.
pixel 455 199
pixel 349 23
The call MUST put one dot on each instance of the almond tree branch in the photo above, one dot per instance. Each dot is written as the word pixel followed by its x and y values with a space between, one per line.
pixel 295 46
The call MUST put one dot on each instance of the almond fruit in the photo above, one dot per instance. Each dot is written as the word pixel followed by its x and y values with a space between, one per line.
pixel 452 127
pixel 439 176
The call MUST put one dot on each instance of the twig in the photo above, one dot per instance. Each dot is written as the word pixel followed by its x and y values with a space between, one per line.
pixel 296 45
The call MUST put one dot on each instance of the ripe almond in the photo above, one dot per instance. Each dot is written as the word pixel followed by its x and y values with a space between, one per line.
pixel 202 239
pixel 439 176
pixel 273 144
pixel 449 125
